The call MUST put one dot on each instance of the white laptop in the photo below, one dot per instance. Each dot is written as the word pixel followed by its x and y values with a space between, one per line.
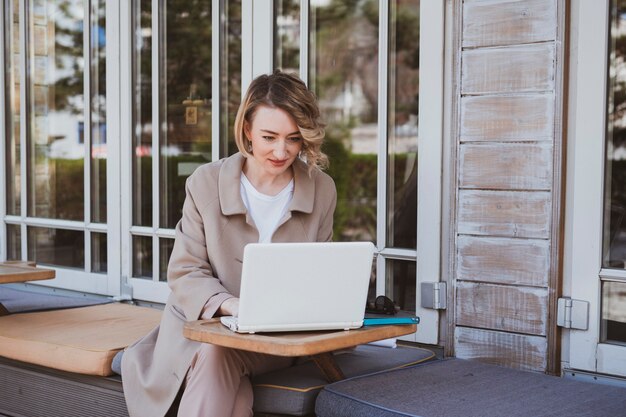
pixel 303 286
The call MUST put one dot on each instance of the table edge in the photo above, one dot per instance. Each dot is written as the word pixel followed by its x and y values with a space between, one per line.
pixel 265 343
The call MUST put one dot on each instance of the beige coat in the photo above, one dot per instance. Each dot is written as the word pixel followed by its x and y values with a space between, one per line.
pixel 205 266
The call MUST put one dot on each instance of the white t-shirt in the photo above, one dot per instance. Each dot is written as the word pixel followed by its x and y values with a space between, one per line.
pixel 266 210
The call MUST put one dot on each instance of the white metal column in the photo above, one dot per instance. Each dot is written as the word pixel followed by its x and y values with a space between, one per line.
pixel 127 29
pixel 87 130
pixel 383 106
pixel 116 23
pixel 584 195
pixel 582 271
pixel 24 100
pixel 304 41
pixel 257 43
pixel 6 8
pixel 216 44
pixel 158 45
pixel 429 174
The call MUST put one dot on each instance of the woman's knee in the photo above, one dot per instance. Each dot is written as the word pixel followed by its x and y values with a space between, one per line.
pixel 215 357
pixel 244 399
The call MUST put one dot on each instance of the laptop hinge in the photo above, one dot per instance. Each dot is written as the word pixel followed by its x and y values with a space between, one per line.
pixel 433 295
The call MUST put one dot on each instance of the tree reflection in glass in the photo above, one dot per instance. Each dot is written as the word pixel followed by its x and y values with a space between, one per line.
pixel 403 88
pixel 142 113
pixel 343 72
pixel 613 322
pixel 230 76
pixel 56 146
pixel 614 236
pixel 12 106
pixel 97 114
pixel 185 114
pixel 65 248
pixel 287 35
pixel 613 325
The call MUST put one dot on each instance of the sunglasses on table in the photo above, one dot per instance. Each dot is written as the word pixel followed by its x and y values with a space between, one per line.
pixel 382 305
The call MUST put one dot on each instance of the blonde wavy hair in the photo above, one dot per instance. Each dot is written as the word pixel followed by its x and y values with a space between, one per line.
pixel 286 92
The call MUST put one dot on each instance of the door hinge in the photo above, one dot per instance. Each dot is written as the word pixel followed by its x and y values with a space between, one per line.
pixel 572 314
pixel 126 291
pixel 433 295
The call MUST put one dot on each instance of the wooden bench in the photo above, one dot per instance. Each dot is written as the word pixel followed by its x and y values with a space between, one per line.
pixel 58 364
pixel 83 340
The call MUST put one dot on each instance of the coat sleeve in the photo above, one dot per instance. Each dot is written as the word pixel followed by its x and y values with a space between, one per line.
pixel 190 275
pixel 325 232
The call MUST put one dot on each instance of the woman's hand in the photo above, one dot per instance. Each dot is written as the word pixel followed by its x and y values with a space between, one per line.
pixel 229 307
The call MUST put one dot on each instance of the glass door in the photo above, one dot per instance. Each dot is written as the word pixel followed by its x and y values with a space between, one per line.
pixel 370 73
pixel 597 194
pixel 104 125
pixel 54 192
pixel 184 88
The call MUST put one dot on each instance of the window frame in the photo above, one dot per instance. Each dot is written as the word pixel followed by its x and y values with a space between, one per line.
pixel 151 289
pixel 73 279
pixel 118 281
pixel 3 188
pixel 256 59
pixel 584 209
pixel 428 252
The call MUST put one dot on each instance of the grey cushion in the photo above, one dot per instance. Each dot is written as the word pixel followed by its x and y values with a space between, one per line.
pixel 19 301
pixel 470 389
pixel 292 391
pixel 116 364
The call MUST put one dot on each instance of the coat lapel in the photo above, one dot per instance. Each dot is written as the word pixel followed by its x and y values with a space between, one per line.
pixel 304 188
pixel 228 185
pixel 230 179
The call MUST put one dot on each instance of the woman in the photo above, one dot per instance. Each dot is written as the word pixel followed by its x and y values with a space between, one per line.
pixel 272 190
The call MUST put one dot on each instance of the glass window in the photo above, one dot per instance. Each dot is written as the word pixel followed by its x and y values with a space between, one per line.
pixel 14 242
pixel 185 114
pixel 180 37
pixel 401 283
pixel 403 90
pixel 287 35
pixel 65 248
pixel 98 113
pixel 230 73
pixel 12 107
pixel 99 252
pixel 343 60
pixel 613 313
pixel 65 110
pixel 613 321
pixel 166 247
pixel 142 257
pixel 142 114
pixel 343 72
pixel 56 108
pixel 614 235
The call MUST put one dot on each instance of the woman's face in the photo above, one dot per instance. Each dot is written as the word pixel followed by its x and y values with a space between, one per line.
pixel 276 141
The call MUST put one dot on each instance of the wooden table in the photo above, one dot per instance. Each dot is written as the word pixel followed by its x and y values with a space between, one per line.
pixel 317 344
pixel 21 272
